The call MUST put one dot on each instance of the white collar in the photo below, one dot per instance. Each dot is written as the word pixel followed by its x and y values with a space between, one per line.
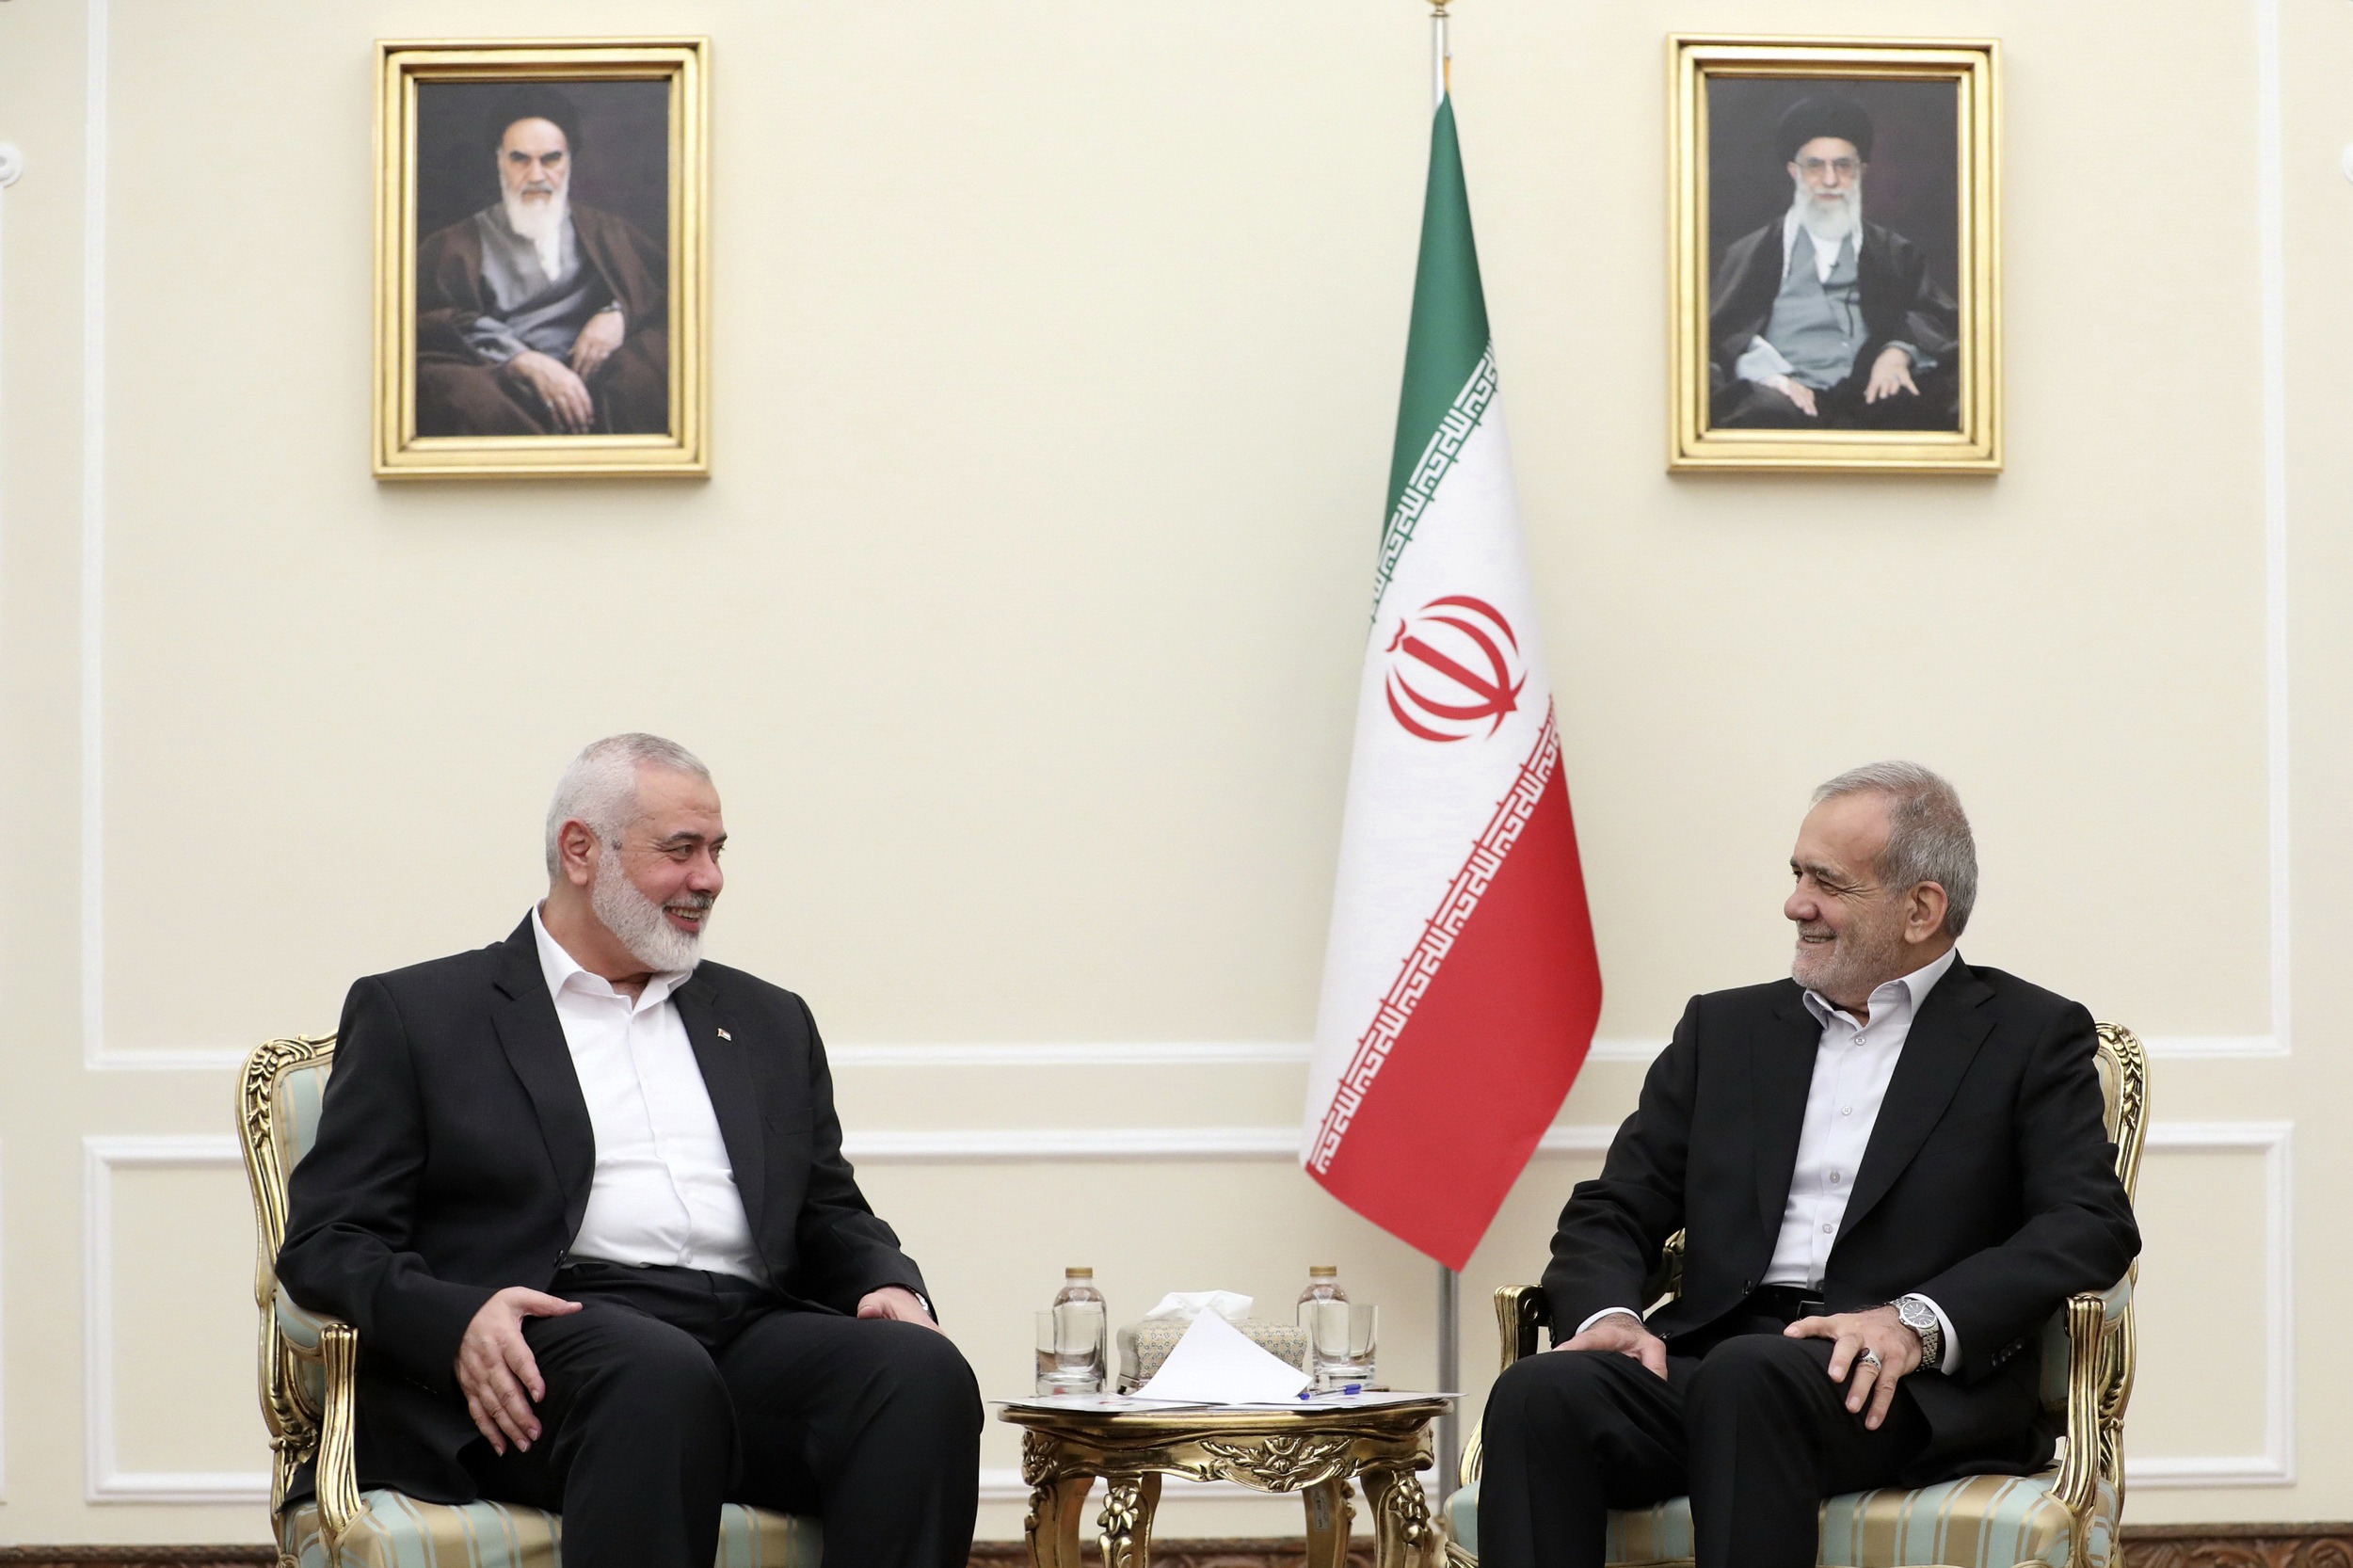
pixel 560 969
pixel 1915 988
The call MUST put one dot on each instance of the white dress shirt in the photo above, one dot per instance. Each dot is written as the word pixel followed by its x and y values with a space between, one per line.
pixel 664 1190
pixel 1852 1066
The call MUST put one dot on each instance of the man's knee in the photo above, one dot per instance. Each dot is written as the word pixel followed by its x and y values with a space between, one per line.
pixel 1557 1389
pixel 923 1367
pixel 470 400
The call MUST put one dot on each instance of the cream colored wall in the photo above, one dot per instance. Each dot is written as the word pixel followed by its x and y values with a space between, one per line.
pixel 1055 356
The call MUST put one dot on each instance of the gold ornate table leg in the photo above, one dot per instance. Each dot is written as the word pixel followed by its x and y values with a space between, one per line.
pixel 1057 1497
pixel 1328 1514
pixel 1127 1521
pixel 1402 1535
pixel 1052 1526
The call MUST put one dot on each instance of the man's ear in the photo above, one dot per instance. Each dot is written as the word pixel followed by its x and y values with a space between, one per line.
pixel 576 845
pixel 1924 911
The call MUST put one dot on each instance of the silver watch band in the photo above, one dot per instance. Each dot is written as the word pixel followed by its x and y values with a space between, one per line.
pixel 1919 1316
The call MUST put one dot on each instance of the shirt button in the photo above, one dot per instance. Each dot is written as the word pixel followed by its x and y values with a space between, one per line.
pixel 1846 1110
pixel 1834 1176
pixel 1826 1231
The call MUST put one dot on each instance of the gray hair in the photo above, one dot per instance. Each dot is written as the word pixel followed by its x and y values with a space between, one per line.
pixel 1927 833
pixel 601 787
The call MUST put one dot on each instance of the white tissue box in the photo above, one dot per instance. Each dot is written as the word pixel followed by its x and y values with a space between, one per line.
pixel 1143 1346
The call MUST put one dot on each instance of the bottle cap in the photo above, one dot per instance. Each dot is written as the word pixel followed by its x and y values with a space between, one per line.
pixel 1323 1270
pixel 1077 1273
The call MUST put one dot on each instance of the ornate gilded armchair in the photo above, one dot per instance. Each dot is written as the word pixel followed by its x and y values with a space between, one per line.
pixel 308 1363
pixel 2066 1517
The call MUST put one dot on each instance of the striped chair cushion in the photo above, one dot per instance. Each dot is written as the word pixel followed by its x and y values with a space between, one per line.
pixel 396 1531
pixel 1977 1522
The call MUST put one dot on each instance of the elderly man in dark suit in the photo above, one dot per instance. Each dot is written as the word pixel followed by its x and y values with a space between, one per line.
pixel 1891 1169
pixel 582 1195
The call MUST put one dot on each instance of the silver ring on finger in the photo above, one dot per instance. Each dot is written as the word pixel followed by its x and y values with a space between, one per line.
pixel 1871 1359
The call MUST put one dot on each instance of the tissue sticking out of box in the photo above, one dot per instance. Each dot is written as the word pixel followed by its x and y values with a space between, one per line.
pixel 1215 1363
pixel 1183 1306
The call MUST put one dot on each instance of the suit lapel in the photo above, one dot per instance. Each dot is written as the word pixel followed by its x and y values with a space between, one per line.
pixel 1781 1070
pixel 727 1077
pixel 1943 1041
pixel 532 1038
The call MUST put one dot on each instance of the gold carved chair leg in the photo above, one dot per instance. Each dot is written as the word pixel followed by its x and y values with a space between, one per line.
pixel 1127 1521
pixel 1329 1513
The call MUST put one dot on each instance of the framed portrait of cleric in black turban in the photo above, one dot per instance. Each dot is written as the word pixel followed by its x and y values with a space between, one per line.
pixel 540 259
pixel 1835 294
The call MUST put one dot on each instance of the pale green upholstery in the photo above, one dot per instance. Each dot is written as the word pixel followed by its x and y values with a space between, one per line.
pixel 1975 1522
pixel 1980 1522
pixel 308 1405
pixel 401 1532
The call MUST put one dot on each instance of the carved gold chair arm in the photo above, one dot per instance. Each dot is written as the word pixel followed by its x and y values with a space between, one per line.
pixel 1521 1312
pixel 2089 1332
pixel 337 1475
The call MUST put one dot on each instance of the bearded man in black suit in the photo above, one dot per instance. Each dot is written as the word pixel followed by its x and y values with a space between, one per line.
pixel 1821 320
pixel 581 1193
pixel 1890 1170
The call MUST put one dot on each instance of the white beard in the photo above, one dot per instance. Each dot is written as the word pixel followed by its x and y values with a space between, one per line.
pixel 543 224
pixel 1831 225
pixel 637 923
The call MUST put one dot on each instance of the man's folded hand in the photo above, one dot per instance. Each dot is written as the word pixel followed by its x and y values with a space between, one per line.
pixel 497 1370
pixel 897 1303
pixel 1624 1332
pixel 1874 1346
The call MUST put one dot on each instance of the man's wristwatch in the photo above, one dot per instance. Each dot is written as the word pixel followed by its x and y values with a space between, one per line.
pixel 1920 1319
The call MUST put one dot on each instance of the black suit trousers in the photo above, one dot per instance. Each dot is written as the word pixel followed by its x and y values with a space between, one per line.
pixel 674 1390
pixel 1753 1431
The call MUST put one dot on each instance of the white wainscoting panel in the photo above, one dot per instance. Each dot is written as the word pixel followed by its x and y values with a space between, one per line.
pixel 107 1482
pixel 2276 1465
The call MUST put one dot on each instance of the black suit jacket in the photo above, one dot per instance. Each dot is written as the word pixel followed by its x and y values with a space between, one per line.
pixel 1902 302
pixel 454 1158
pixel 1989 1185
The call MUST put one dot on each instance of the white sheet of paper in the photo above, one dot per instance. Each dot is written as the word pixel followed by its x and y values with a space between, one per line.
pixel 1217 1363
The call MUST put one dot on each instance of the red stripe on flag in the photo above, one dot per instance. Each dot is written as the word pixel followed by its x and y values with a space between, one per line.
pixel 1481 1067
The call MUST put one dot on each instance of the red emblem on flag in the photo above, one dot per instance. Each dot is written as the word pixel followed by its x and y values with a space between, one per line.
pixel 1454 665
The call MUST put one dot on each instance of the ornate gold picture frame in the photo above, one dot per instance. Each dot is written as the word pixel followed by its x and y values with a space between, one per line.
pixel 1834 286
pixel 541 265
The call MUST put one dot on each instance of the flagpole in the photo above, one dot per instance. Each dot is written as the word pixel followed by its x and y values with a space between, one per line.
pixel 1449 1283
pixel 1440 57
pixel 1449 1368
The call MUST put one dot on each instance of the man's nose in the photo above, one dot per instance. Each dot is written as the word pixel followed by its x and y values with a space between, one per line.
pixel 705 877
pixel 1797 908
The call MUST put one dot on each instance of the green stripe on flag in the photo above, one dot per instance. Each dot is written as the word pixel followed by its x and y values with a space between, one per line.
pixel 1448 333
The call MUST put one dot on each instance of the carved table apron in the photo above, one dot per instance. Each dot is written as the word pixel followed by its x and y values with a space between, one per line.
pixel 1313 1452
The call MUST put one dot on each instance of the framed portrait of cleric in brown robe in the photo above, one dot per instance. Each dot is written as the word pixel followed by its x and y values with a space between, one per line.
pixel 540 260
pixel 1835 293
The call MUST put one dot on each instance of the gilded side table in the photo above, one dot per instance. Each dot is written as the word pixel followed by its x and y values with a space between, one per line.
pixel 1313 1452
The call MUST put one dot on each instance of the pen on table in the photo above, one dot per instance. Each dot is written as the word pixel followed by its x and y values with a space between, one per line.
pixel 1352 1388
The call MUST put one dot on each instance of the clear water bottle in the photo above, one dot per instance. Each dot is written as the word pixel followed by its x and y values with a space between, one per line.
pixel 1339 1347
pixel 1324 1312
pixel 1072 1337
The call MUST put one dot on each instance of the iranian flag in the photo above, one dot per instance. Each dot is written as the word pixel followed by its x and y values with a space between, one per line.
pixel 1460 987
